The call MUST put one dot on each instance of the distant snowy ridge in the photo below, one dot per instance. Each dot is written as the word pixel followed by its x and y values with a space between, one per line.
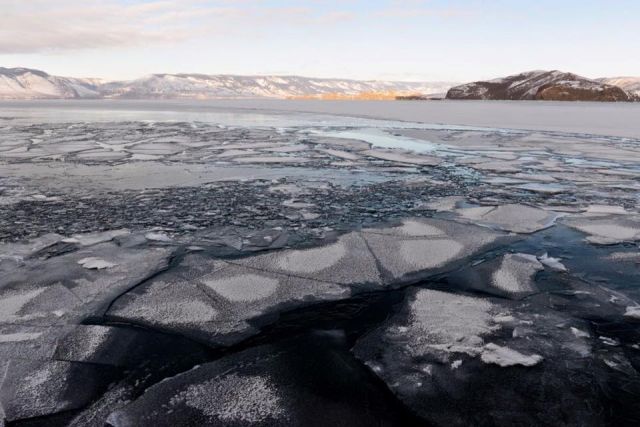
pixel 232 86
pixel 630 84
pixel 541 85
pixel 24 83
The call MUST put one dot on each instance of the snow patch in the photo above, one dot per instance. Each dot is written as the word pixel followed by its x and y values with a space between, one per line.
pixel 504 356
pixel 244 288
pixel 234 399
pixel 632 312
pixel 93 263
pixel 552 263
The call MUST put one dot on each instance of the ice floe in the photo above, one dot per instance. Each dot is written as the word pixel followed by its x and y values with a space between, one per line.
pixel 512 217
pixel 347 261
pixel 33 389
pixel 503 356
pixel 94 263
pixel 443 347
pixel 632 312
pixel 423 246
pixel 551 262
pixel 607 230
pixel 515 274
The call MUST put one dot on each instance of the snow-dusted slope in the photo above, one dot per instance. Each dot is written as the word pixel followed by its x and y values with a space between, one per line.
pixel 232 86
pixel 25 83
pixel 630 84
pixel 541 85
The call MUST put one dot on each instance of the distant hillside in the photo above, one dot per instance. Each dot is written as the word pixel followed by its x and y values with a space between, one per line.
pixel 232 86
pixel 630 84
pixel 24 83
pixel 541 85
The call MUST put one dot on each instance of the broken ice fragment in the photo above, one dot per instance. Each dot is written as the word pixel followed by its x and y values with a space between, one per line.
pixel 516 273
pixel 93 263
pixel 513 217
pixel 504 356
pixel 608 230
pixel 157 237
pixel 632 312
pixel 245 287
pixel 553 263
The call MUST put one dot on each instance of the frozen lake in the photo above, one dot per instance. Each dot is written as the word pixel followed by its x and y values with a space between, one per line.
pixel 363 263
pixel 611 119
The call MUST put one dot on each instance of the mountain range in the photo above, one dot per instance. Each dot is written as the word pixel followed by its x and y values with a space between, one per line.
pixel 550 86
pixel 25 83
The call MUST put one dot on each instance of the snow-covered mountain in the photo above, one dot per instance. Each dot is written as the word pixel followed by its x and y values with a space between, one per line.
pixel 233 86
pixel 25 83
pixel 541 85
pixel 630 84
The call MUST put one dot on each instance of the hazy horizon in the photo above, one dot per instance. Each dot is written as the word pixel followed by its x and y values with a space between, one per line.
pixel 403 40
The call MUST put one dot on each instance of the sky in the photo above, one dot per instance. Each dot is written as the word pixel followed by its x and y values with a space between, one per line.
pixel 409 40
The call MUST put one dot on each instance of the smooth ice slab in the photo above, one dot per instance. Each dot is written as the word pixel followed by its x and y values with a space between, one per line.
pixel 248 287
pixel 515 274
pixel 512 217
pixel 218 301
pixel 34 389
pixel 347 261
pixel 608 230
pixel 165 303
pixel 420 247
pixel 510 275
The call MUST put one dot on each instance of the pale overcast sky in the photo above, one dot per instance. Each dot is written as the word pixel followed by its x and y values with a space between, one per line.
pixel 456 40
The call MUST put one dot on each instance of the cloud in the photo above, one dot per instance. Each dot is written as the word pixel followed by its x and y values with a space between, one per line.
pixel 32 26
pixel 41 25
pixel 421 12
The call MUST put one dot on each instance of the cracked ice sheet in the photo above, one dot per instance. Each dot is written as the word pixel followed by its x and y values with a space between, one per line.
pixel 220 399
pixel 510 275
pixel 516 218
pixel 19 251
pixel 117 346
pixel 31 389
pixel 607 230
pixel 396 156
pixel 219 302
pixel 421 247
pixel 29 342
pixel 271 385
pixel 347 261
pixel 442 348
pixel 58 290
pixel 516 273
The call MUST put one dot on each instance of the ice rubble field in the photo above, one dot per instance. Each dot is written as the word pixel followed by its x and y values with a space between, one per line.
pixel 189 273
